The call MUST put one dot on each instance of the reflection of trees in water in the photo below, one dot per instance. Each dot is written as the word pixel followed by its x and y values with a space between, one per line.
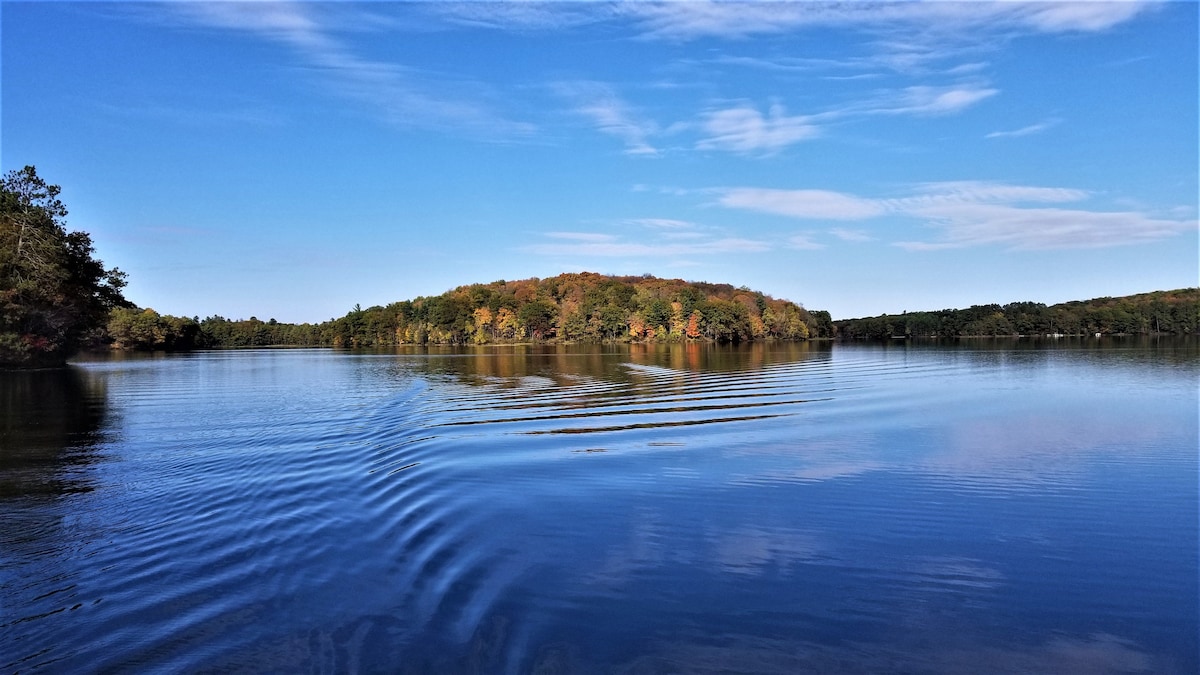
pixel 49 420
pixel 565 363
pixel 50 425
pixel 708 357
pixel 1141 352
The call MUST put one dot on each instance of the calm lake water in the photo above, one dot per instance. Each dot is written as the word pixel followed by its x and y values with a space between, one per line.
pixel 973 507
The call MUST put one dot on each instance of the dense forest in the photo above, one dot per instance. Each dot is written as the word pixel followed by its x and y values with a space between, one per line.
pixel 591 307
pixel 55 296
pixel 584 307
pixel 1174 312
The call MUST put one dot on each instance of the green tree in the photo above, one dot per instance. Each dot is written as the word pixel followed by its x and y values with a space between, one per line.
pixel 613 321
pixel 146 329
pixel 538 319
pixel 574 326
pixel 54 295
pixel 658 313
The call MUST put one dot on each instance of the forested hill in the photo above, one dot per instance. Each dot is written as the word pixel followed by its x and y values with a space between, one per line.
pixel 1173 312
pixel 583 307
pixel 590 307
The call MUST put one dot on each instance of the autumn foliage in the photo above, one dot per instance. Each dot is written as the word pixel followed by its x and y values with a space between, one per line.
pixel 583 307
pixel 595 308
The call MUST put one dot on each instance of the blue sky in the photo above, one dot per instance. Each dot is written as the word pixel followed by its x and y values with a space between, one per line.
pixel 290 160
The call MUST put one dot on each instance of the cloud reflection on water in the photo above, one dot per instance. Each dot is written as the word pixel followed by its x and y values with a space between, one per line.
pixel 1098 654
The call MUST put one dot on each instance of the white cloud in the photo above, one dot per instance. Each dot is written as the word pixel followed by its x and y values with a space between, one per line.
pixel 1025 131
pixel 592 237
pixel 520 16
pixel 610 114
pixel 681 21
pixel 934 100
pixel 847 78
pixel 399 95
pixel 971 213
pixel 667 244
pixel 1013 227
pixel 635 249
pixel 815 204
pixel 664 223
pixel 287 22
pixel 804 242
pixel 744 129
pixel 967 68
pixel 986 191
pixel 735 245
pixel 851 235
pixel 1053 17
pixel 902 56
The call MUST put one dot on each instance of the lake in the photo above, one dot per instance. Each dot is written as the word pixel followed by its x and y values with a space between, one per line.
pixel 981 506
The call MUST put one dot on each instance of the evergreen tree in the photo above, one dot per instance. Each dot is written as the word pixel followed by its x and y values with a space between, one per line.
pixel 54 295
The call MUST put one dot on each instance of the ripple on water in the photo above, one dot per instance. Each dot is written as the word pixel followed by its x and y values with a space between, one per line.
pixel 283 512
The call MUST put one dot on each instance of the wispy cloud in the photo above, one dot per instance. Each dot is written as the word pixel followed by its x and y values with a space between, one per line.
pixel 630 249
pixel 804 242
pixel 664 223
pixel 590 237
pixel 1025 131
pixel 847 78
pixel 910 38
pixel 522 16
pixel 924 100
pixel 967 68
pixel 1056 17
pixel 696 19
pixel 287 22
pixel 1121 63
pixel 851 235
pixel 610 114
pixel 670 229
pixel 407 97
pixel 971 191
pixel 813 204
pixel 744 129
pixel 699 19
pixel 656 237
pixel 890 56
pixel 971 213
pixel 964 225
pixel 399 95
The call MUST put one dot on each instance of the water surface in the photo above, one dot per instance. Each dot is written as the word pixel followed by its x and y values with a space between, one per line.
pixel 1016 506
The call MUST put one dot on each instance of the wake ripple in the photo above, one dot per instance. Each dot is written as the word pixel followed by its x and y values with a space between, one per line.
pixel 449 461
pixel 259 512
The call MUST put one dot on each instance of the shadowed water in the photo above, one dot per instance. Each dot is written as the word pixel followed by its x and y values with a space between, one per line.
pixel 689 508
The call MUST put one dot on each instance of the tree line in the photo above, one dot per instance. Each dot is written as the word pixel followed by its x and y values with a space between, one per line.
pixel 1159 312
pixel 583 307
pixel 133 328
pixel 590 307
pixel 56 298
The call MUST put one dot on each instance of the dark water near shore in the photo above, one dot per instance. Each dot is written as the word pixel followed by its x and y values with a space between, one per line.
pixel 973 507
